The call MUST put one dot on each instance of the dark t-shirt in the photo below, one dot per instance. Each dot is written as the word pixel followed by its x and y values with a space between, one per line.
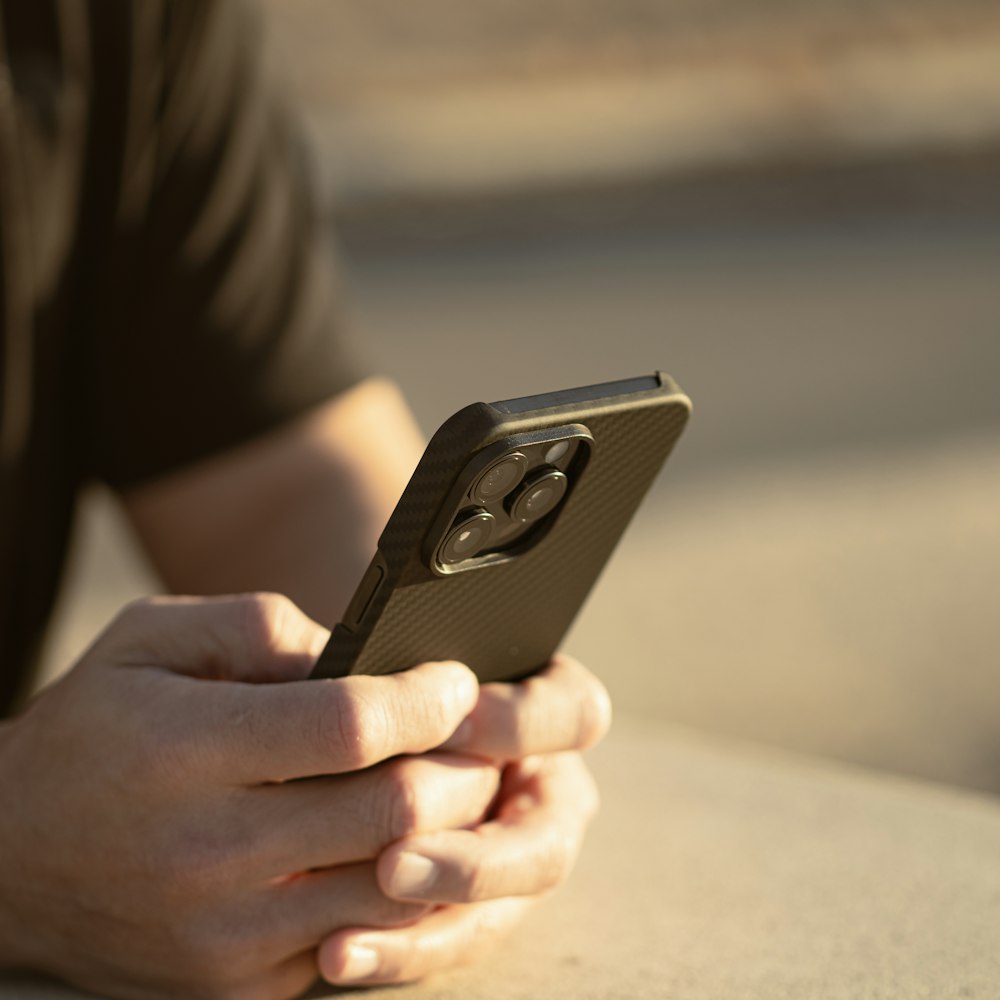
pixel 165 283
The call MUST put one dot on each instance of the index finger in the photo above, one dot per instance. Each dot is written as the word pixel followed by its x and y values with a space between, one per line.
pixel 255 733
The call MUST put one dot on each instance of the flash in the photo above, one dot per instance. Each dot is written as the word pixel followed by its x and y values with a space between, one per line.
pixel 556 451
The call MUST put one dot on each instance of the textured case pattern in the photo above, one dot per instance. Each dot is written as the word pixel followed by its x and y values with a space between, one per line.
pixel 505 620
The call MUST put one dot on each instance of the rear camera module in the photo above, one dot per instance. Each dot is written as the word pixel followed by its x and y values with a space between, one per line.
pixel 466 538
pixel 500 478
pixel 539 496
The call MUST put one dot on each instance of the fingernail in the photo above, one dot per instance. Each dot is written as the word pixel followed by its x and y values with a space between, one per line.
pixel 413 876
pixel 362 962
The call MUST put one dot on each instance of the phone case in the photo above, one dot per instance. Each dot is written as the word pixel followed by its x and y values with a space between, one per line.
pixel 506 618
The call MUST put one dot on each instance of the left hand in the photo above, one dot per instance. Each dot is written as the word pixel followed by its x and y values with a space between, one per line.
pixel 484 879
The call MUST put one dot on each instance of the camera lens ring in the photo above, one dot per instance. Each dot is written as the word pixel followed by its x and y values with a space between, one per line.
pixel 502 476
pixel 468 536
pixel 539 496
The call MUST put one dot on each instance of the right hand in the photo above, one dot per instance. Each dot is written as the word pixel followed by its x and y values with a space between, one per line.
pixel 153 842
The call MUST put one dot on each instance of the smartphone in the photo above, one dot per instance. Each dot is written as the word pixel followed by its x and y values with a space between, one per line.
pixel 504 527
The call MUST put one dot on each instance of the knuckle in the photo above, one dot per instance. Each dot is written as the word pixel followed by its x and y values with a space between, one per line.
pixel 134 614
pixel 403 808
pixel 262 616
pixel 479 882
pixel 350 727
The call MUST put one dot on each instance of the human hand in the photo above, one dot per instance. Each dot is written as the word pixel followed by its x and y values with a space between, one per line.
pixel 484 879
pixel 153 843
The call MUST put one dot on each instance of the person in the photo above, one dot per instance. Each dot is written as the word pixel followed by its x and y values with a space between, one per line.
pixel 169 329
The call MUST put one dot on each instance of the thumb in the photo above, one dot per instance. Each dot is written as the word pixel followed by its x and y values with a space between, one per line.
pixel 258 638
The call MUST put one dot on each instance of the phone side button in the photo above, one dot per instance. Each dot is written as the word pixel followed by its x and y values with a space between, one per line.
pixel 364 595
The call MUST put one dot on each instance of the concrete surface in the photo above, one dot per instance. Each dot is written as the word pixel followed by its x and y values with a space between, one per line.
pixel 716 870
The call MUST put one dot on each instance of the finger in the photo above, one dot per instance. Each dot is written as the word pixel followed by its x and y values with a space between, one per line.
pixel 247 637
pixel 291 978
pixel 529 849
pixel 303 909
pixel 247 734
pixel 447 937
pixel 265 925
pixel 302 826
pixel 564 707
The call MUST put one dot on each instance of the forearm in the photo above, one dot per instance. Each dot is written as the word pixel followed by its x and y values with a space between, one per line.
pixel 298 512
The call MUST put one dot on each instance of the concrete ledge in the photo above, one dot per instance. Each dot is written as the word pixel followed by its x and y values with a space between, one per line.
pixel 720 870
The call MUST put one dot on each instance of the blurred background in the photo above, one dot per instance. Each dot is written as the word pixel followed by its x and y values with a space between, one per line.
pixel 794 208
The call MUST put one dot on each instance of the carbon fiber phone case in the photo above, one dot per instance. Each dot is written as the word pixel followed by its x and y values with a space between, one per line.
pixel 505 619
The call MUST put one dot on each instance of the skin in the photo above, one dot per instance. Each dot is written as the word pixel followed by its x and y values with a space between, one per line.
pixel 194 818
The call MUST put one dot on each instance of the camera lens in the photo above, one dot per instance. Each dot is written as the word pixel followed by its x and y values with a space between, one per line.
pixel 500 478
pixel 540 496
pixel 467 538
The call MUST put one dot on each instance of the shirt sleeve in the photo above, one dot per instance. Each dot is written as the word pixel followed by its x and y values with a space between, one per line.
pixel 219 312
